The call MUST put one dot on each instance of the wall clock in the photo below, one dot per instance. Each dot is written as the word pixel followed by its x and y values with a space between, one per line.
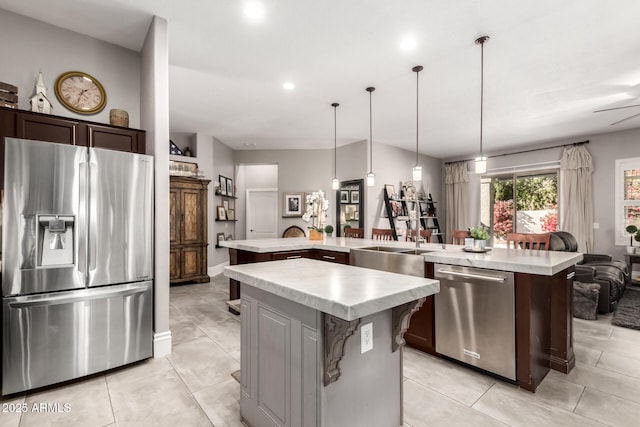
pixel 80 92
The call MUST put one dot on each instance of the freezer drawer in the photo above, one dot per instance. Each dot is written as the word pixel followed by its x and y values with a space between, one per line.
pixel 475 318
pixel 50 338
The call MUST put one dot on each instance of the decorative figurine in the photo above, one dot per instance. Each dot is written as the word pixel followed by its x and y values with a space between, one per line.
pixel 39 102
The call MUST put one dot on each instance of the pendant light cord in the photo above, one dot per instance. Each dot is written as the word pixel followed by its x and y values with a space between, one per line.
pixel 417 70
pixel 335 137
pixel 481 93
pixel 370 90
pixel 417 116
pixel 481 41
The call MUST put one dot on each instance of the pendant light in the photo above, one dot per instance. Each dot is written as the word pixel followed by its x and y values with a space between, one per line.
pixel 335 184
pixel 371 178
pixel 481 161
pixel 416 172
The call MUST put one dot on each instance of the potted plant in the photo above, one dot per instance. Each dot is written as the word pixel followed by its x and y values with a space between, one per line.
pixel 480 236
pixel 328 229
pixel 635 235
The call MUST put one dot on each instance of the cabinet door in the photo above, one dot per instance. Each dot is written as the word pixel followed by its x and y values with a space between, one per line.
pixel 192 204
pixel 192 257
pixel 331 256
pixel 114 138
pixel 174 211
pixel 175 262
pixel 50 129
pixel 291 255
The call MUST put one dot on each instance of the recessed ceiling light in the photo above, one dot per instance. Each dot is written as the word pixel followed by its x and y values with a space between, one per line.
pixel 408 43
pixel 288 86
pixel 249 144
pixel 254 11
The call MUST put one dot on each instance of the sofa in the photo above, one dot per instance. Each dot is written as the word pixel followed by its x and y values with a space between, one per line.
pixel 612 275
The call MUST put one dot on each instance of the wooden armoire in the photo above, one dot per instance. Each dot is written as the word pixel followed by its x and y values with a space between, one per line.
pixel 188 229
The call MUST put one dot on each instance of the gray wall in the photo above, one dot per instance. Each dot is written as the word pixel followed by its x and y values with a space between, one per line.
pixel 223 164
pixel 252 177
pixel 605 149
pixel 392 165
pixel 155 119
pixel 30 46
pixel 310 170
pixel 298 170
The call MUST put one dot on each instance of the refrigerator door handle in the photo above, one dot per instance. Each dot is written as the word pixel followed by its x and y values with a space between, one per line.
pixel 93 232
pixel 92 294
pixel 81 227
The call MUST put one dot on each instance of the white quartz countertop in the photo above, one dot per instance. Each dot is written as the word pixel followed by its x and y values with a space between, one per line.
pixel 343 291
pixel 546 263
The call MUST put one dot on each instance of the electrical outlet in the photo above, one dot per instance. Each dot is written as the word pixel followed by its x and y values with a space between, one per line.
pixel 366 337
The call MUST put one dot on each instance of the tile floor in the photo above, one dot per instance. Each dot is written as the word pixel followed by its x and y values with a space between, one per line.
pixel 193 386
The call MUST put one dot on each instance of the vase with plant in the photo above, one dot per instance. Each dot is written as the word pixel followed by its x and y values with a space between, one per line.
pixel 635 235
pixel 316 213
pixel 329 230
pixel 480 236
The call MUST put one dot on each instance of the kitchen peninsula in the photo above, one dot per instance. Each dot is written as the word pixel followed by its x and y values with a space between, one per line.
pixel 299 365
pixel 543 293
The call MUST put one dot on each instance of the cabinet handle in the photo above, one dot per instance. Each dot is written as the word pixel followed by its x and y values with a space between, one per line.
pixel 571 275
pixel 294 256
pixel 328 257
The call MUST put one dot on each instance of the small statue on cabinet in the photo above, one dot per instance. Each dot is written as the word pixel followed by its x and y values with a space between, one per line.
pixel 39 102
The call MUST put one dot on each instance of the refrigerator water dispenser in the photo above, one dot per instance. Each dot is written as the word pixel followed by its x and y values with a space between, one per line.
pixel 55 240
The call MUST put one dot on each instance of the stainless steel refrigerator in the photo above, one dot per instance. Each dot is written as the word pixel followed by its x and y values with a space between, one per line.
pixel 77 262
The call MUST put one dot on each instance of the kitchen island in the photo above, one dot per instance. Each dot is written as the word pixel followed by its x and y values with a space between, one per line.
pixel 543 293
pixel 299 365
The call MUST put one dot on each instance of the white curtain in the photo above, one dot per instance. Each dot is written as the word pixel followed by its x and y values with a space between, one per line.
pixel 456 180
pixel 577 195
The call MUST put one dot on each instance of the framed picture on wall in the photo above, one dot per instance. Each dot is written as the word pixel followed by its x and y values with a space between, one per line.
pixel 222 214
pixel 225 203
pixel 344 196
pixel 355 196
pixel 231 214
pixel 223 185
pixel 391 191
pixel 230 191
pixel 292 205
pixel 219 238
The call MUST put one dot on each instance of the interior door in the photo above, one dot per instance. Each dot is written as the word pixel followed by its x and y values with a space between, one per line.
pixel 262 213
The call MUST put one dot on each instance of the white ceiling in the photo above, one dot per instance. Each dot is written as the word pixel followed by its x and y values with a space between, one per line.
pixel 548 65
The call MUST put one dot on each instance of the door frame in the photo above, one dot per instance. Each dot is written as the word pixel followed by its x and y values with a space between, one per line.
pixel 248 205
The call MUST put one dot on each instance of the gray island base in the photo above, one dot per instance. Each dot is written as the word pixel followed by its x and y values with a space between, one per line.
pixel 321 343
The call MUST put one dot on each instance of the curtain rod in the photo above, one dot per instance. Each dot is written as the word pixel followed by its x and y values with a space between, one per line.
pixel 574 144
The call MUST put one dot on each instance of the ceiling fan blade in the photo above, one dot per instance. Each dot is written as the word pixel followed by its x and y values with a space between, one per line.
pixel 623 120
pixel 617 108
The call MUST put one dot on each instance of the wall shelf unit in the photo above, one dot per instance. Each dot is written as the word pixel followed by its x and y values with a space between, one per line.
pixel 399 209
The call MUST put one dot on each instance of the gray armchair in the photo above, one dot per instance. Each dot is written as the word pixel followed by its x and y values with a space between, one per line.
pixel 611 275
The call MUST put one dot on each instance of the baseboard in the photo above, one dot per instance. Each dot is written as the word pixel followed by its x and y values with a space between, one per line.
pixel 217 269
pixel 161 344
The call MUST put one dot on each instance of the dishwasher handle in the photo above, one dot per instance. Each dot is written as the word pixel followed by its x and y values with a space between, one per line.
pixel 472 276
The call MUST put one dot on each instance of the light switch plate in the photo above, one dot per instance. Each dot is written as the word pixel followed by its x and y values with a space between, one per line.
pixel 366 337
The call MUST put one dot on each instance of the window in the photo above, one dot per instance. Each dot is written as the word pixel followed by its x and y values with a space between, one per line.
pixel 519 203
pixel 627 197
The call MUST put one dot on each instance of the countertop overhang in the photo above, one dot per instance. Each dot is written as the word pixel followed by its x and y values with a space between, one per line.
pixel 343 291
pixel 545 263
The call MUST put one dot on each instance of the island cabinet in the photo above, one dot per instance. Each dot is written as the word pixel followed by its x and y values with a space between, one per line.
pixel 544 331
pixel 323 349
pixel 188 230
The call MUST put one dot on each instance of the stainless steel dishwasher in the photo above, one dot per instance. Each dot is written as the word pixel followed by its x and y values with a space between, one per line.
pixel 475 318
